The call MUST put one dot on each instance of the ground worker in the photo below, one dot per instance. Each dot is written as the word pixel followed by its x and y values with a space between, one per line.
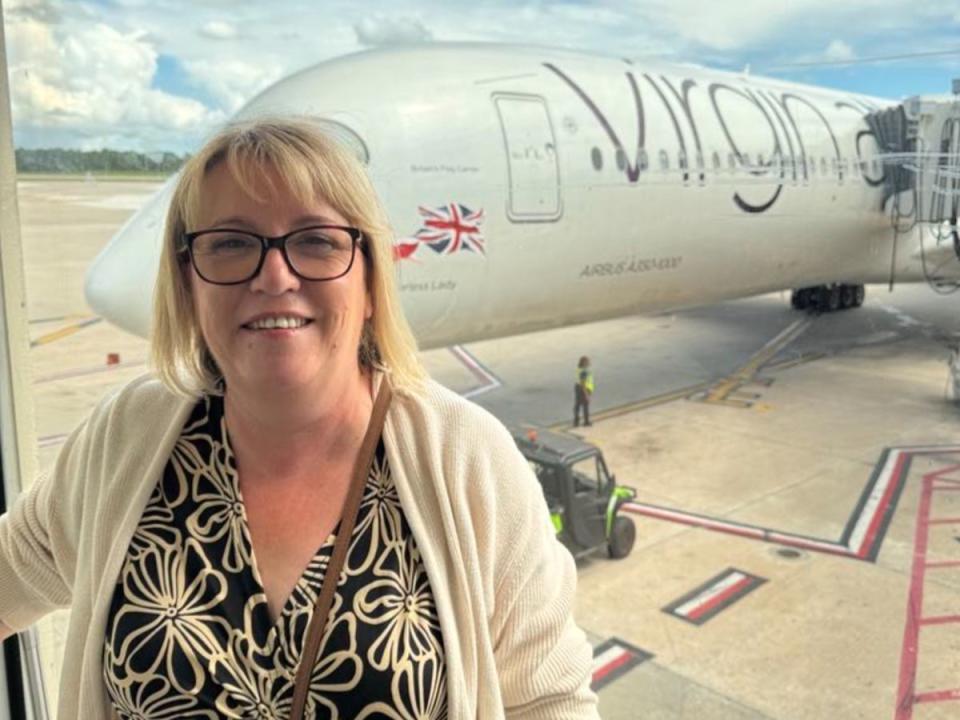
pixel 582 391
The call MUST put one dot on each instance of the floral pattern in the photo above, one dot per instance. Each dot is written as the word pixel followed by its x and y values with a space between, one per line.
pixel 189 633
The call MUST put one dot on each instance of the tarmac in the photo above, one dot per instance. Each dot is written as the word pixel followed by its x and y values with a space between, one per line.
pixel 797 478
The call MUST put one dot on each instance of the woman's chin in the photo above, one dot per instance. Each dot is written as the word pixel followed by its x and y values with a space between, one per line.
pixel 280 377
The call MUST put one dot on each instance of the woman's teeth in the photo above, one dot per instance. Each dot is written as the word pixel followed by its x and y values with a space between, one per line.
pixel 273 323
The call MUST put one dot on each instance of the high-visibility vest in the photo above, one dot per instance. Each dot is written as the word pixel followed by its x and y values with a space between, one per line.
pixel 585 378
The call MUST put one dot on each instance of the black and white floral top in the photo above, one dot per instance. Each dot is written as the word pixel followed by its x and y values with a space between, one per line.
pixel 189 634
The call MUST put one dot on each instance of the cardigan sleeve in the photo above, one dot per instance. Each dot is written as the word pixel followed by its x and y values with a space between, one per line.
pixel 543 659
pixel 38 541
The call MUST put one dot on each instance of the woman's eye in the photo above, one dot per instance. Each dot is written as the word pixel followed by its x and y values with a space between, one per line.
pixel 316 243
pixel 317 240
pixel 234 243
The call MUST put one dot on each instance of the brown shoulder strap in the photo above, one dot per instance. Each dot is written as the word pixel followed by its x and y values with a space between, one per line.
pixel 321 608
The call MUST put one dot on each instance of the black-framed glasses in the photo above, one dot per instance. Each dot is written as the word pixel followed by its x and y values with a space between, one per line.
pixel 224 256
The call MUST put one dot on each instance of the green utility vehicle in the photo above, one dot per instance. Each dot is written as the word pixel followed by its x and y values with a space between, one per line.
pixel 583 497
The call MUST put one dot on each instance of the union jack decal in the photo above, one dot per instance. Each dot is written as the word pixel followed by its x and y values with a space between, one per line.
pixel 445 230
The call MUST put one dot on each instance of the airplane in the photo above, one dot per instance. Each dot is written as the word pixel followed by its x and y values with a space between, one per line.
pixel 532 188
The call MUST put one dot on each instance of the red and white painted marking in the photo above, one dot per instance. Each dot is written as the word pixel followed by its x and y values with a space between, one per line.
pixel 714 596
pixel 613 658
pixel 908 696
pixel 488 381
pixel 866 526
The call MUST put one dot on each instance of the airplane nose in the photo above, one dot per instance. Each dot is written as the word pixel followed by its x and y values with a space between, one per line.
pixel 119 283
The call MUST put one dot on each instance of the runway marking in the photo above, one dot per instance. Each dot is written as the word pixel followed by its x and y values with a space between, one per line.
pixel 630 407
pixel 724 391
pixel 907 695
pixel 714 596
pixel 57 318
pixel 612 659
pixel 488 381
pixel 64 332
pixel 866 527
pixel 671 396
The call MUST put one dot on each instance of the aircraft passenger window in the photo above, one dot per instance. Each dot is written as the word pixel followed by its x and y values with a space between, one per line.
pixel 699 161
pixel 812 164
pixel 823 166
pixel 644 160
pixel 732 162
pixel 745 159
pixel 621 160
pixel 596 157
pixel 760 159
pixel 664 160
pixel 682 160
pixel 715 159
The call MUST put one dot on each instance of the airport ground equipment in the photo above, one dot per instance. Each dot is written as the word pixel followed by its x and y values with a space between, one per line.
pixel 583 497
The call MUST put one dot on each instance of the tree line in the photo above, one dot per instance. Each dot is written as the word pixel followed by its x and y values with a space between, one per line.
pixel 59 160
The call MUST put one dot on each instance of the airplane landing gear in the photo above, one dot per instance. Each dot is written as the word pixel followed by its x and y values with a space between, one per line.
pixel 828 298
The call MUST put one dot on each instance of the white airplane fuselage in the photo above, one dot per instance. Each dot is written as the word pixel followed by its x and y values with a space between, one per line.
pixel 532 188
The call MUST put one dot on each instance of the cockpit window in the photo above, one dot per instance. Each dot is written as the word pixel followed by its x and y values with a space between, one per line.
pixel 348 138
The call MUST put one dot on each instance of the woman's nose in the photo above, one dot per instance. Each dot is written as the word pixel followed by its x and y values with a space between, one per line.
pixel 275 275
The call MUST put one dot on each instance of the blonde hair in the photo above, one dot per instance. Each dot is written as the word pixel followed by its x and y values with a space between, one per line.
pixel 311 164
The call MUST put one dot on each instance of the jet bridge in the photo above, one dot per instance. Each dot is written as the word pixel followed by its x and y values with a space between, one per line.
pixel 919 142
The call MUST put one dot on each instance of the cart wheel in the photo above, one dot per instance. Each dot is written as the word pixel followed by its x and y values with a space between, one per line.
pixel 622 537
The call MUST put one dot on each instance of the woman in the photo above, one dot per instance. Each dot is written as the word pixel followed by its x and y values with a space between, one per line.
pixel 182 520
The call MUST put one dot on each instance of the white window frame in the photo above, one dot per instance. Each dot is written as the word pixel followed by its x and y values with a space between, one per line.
pixel 16 409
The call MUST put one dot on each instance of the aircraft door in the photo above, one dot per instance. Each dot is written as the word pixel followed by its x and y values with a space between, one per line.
pixel 532 165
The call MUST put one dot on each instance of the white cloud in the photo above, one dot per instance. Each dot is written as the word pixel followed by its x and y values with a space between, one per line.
pixel 218 30
pixel 838 51
pixel 233 81
pixel 41 10
pixel 92 79
pixel 84 63
pixel 382 30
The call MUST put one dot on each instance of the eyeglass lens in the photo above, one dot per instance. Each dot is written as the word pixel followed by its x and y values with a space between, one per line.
pixel 225 256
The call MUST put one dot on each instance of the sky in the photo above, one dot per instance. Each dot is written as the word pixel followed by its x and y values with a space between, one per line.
pixel 159 75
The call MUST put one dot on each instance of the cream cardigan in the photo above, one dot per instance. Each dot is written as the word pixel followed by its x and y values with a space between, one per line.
pixel 504 586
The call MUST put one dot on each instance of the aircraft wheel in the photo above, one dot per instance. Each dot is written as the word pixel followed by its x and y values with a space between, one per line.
pixel 622 537
pixel 833 298
pixel 847 296
pixel 820 298
pixel 800 299
pixel 859 292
